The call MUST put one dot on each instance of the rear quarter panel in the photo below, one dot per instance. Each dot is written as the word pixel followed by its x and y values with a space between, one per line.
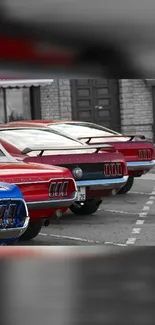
pixel 130 149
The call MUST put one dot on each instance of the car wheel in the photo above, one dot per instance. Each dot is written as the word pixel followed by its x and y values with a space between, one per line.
pixel 127 187
pixel 32 230
pixel 87 207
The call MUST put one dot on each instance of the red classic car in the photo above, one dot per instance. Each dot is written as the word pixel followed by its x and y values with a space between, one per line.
pixel 47 190
pixel 139 153
pixel 97 173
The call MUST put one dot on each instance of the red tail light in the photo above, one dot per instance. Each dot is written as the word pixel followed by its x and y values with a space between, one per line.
pixel 113 170
pixel 144 154
pixel 61 188
pixel 119 169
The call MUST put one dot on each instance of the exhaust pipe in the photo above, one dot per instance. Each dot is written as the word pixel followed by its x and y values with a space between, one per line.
pixel 114 192
pixel 57 215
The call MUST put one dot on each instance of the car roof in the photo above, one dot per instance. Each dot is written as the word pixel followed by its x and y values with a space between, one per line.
pixel 46 123
pixel 39 127
pixel 41 122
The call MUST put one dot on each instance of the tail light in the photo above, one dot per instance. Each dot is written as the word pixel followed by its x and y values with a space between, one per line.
pixel 144 154
pixel 12 214
pixel 113 170
pixel 62 188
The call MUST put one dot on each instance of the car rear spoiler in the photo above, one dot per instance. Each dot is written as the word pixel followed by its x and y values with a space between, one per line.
pixel 112 136
pixel 83 147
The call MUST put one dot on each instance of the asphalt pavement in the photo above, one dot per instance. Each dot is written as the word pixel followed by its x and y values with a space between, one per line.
pixel 122 220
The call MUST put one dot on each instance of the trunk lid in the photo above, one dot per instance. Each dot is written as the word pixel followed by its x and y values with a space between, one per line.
pixel 132 150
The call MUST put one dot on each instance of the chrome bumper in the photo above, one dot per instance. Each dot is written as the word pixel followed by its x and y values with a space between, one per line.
pixel 140 165
pixel 103 184
pixel 14 233
pixel 52 204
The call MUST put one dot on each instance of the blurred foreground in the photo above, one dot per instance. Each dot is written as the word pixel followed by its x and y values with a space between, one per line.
pixel 77 285
pixel 66 38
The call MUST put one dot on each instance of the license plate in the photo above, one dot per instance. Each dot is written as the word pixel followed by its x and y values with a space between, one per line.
pixel 81 195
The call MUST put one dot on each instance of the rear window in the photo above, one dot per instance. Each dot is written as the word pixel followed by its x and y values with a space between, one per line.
pixel 23 138
pixel 82 130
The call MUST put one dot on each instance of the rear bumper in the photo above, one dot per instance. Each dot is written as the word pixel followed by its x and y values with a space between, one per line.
pixel 140 165
pixel 52 204
pixel 14 233
pixel 105 184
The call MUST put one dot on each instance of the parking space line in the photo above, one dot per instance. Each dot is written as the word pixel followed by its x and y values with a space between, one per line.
pixel 118 211
pixel 139 222
pixel 82 239
pixel 150 202
pixel 69 237
pixel 136 230
pixel 151 197
pixel 142 215
pixel 142 193
pixel 131 241
pixel 146 207
pixel 114 244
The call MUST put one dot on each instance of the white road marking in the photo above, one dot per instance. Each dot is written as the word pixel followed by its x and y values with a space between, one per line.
pixel 149 202
pixel 118 211
pixel 131 241
pixel 139 222
pixel 69 237
pixel 146 207
pixel 143 215
pixel 142 193
pixel 114 244
pixel 136 230
pixel 81 239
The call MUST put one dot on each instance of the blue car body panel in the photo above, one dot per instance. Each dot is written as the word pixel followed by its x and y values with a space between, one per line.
pixel 14 217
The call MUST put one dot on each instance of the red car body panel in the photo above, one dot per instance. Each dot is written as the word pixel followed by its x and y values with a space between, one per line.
pixel 71 158
pixel 85 159
pixel 34 181
pixel 139 155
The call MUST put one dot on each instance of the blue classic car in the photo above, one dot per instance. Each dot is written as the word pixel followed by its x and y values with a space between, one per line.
pixel 14 217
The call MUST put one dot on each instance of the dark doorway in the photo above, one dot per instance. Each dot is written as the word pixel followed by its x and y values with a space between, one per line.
pixel 97 101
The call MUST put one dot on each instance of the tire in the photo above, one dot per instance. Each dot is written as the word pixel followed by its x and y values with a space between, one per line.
pixel 32 230
pixel 127 187
pixel 88 207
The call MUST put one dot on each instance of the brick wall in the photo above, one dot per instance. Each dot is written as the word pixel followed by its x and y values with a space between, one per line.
pixel 56 100
pixel 136 106
pixel 2 114
pixel 50 108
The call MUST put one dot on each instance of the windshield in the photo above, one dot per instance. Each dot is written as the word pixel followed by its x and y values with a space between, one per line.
pixel 23 138
pixel 83 129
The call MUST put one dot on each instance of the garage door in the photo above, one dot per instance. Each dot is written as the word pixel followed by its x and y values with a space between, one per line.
pixel 96 100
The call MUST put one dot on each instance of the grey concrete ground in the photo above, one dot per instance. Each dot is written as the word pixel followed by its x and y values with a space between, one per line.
pixel 121 220
pixel 152 171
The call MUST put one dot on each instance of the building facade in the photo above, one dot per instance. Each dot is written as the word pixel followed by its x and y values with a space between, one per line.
pixel 126 105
